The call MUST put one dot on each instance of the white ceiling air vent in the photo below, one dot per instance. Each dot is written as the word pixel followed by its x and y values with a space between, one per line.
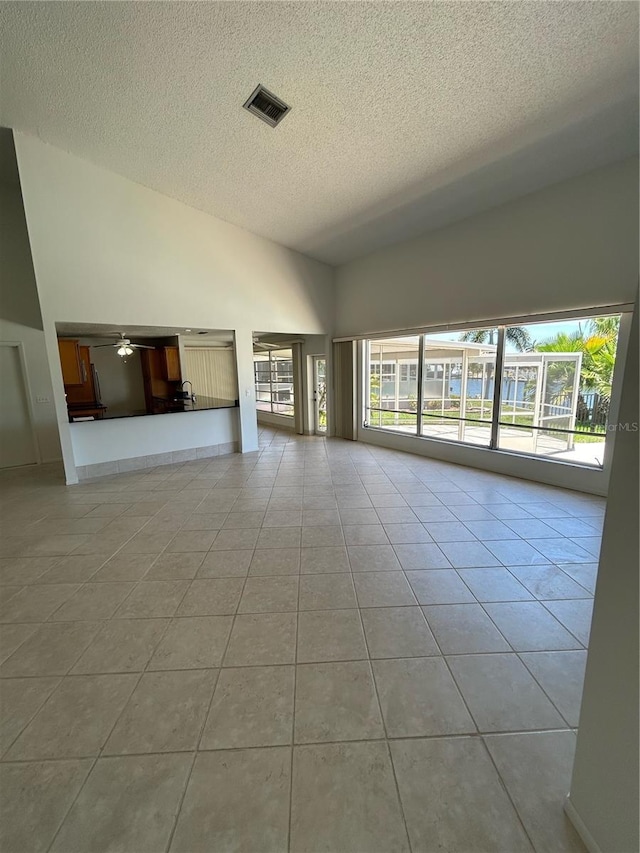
pixel 267 106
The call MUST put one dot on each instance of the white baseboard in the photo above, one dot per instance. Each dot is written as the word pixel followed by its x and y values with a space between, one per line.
pixel 580 827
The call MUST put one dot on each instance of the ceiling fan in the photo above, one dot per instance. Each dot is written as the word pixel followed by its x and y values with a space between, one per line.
pixel 258 344
pixel 124 346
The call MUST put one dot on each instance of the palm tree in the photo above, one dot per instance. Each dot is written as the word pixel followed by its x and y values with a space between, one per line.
pixel 597 343
pixel 517 336
pixel 609 326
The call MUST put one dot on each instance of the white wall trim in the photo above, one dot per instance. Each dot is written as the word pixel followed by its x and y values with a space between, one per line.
pixel 27 392
pixel 580 826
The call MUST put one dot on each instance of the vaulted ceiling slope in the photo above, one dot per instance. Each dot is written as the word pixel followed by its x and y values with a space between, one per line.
pixel 405 115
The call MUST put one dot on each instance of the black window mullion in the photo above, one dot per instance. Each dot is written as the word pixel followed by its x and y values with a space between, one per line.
pixel 420 399
pixel 497 388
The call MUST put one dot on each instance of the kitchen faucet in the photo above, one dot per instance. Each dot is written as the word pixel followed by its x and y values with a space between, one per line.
pixel 190 396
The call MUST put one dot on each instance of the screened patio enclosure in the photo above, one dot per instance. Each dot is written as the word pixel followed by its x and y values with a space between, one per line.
pixel 456 379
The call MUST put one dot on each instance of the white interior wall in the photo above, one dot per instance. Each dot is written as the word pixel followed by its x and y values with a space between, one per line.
pixel 604 790
pixel 108 250
pixel 18 444
pixel 129 438
pixel 21 321
pixel 570 246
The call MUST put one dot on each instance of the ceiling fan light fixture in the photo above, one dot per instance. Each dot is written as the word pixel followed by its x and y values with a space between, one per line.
pixel 124 350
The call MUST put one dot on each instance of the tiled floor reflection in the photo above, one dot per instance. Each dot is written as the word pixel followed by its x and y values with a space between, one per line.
pixel 319 646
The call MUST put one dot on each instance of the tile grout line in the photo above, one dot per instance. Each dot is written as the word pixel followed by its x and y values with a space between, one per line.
pixel 39 707
pixel 384 723
pixel 67 812
pixel 295 690
pixel 223 750
pixel 505 788
pixel 100 753
pixel 540 685
pixel 483 603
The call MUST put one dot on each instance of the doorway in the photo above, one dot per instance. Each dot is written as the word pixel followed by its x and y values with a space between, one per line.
pixel 320 394
pixel 17 443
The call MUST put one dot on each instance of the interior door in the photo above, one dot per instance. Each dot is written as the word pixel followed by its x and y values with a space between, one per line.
pixel 17 446
pixel 320 393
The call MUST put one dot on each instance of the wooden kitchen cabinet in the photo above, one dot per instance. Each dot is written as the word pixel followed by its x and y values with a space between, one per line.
pixel 172 364
pixel 158 390
pixel 83 400
pixel 85 391
pixel 70 361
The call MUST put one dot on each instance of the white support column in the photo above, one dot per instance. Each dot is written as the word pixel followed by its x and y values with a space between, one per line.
pixel 248 426
pixel 60 401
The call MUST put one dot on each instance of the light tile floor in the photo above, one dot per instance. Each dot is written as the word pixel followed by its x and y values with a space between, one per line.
pixel 319 646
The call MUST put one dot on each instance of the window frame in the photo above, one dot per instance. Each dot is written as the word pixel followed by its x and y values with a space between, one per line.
pixel 496 422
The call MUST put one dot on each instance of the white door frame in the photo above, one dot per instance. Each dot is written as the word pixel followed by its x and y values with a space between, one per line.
pixel 316 410
pixel 27 390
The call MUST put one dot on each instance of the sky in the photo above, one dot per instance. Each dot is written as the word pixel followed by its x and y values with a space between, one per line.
pixel 542 331
pixel 539 332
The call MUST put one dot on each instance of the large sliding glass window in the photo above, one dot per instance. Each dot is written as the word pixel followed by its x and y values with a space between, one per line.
pixel 458 384
pixel 273 372
pixel 556 394
pixel 392 394
pixel 552 400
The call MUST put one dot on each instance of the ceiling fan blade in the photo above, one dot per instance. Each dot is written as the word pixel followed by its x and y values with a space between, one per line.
pixel 120 343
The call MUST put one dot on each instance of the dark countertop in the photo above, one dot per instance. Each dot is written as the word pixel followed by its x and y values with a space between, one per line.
pixel 170 406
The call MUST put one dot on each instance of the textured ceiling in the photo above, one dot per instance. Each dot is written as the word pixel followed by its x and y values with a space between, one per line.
pixel 404 115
